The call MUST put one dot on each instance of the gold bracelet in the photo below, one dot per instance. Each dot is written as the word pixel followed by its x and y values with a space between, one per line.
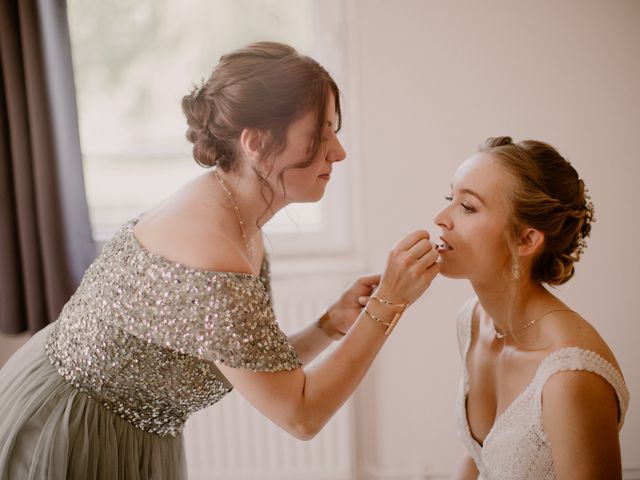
pixel 390 325
pixel 394 321
pixel 377 319
pixel 387 302
pixel 337 334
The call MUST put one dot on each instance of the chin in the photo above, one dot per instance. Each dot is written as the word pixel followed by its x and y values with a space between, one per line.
pixel 455 276
pixel 308 199
pixel 313 197
pixel 449 272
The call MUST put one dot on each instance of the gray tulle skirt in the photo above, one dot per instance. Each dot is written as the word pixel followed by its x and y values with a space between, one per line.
pixel 50 430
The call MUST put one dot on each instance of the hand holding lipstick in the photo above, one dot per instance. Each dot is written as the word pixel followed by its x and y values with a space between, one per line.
pixel 411 267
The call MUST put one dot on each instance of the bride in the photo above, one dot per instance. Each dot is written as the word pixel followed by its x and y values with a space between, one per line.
pixel 542 396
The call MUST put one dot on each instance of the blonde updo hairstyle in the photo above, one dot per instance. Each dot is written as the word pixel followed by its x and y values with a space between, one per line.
pixel 266 86
pixel 550 197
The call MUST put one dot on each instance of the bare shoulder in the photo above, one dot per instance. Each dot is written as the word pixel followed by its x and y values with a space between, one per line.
pixel 588 395
pixel 581 405
pixel 189 238
pixel 573 387
pixel 581 415
pixel 570 329
pixel 580 412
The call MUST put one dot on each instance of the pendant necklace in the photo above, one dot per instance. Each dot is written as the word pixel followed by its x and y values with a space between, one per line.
pixel 501 335
pixel 236 210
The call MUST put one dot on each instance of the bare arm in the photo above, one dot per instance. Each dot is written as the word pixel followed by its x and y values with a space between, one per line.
pixel 580 414
pixel 309 342
pixel 466 469
pixel 301 401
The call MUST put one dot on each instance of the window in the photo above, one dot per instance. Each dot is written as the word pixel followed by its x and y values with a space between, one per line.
pixel 134 60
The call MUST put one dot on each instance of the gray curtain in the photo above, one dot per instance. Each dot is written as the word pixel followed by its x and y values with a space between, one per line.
pixel 45 232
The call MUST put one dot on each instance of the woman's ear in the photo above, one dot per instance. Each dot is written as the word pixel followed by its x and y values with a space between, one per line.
pixel 530 243
pixel 251 143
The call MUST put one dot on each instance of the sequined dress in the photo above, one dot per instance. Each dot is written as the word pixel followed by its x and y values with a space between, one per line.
pixel 104 392
pixel 517 447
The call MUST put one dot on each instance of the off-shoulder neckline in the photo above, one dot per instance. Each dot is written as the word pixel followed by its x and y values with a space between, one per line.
pixel 183 266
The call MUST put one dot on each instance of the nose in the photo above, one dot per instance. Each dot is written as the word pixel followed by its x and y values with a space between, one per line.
pixel 443 219
pixel 337 152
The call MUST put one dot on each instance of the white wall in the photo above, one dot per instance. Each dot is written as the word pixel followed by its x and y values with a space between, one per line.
pixel 435 79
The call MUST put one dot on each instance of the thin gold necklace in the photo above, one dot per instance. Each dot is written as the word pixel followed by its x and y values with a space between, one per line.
pixel 236 210
pixel 500 335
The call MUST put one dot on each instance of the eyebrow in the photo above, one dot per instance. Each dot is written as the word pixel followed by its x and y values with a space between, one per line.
pixel 468 191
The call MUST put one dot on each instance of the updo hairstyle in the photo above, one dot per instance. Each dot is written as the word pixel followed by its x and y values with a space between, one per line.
pixel 266 86
pixel 550 197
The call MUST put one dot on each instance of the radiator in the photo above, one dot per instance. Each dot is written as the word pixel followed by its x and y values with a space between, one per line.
pixel 233 441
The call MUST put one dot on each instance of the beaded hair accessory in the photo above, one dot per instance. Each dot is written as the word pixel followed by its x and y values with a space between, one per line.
pixel 589 218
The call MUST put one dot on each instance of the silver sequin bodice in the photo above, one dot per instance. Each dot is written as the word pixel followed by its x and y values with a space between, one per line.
pixel 141 334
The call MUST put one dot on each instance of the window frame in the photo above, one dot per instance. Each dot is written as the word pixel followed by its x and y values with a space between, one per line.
pixel 333 247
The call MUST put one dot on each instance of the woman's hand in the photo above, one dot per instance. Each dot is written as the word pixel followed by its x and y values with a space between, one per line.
pixel 411 267
pixel 344 312
pixel 304 399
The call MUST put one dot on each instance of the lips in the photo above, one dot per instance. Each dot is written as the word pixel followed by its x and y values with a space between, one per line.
pixel 443 246
pixel 326 176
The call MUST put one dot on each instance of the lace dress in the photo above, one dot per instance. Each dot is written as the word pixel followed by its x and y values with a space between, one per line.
pixel 517 446
pixel 104 391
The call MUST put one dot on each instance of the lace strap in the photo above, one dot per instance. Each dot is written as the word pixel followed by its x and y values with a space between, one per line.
pixel 578 359
pixel 464 323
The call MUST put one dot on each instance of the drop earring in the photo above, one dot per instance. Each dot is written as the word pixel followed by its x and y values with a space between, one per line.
pixel 515 270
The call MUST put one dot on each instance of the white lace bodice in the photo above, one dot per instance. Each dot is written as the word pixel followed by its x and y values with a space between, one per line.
pixel 517 447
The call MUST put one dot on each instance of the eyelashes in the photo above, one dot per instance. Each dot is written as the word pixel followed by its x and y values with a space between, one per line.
pixel 465 207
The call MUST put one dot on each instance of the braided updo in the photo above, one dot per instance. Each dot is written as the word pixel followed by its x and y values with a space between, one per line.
pixel 550 197
pixel 266 86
